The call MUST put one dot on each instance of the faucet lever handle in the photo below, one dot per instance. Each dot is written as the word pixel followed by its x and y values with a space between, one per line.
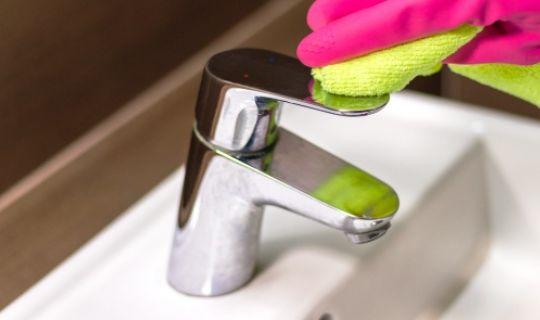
pixel 242 91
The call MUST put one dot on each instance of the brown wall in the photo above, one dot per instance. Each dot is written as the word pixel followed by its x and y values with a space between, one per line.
pixel 67 64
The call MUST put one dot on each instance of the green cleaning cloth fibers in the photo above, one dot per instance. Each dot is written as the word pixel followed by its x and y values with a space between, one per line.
pixel 382 72
pixel 520 81
pixel 367 81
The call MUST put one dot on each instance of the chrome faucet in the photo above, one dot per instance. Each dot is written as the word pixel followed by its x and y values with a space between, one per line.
pixel 240 161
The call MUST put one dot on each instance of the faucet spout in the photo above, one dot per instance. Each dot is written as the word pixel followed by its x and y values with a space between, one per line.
pixel 307 180
pixel 240 161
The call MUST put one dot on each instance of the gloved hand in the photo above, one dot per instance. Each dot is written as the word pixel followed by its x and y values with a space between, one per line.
pixel 344 29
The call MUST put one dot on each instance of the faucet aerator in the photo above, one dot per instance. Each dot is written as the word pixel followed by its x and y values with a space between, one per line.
pixel 360 238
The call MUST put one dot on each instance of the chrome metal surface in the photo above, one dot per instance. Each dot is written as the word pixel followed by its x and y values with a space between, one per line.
pixel 242 91
pixel 241 161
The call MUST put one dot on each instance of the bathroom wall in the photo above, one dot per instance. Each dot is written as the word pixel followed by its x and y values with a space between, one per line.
pixel 68 64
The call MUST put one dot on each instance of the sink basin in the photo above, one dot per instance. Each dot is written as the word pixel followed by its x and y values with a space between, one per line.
pixel 467 235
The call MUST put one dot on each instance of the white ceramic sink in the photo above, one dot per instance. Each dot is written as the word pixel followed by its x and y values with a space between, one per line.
pixel 464 245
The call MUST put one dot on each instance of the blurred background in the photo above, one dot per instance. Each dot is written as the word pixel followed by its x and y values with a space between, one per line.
pixel 96 101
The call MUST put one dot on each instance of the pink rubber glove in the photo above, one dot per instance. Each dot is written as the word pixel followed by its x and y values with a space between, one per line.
pixel 344 29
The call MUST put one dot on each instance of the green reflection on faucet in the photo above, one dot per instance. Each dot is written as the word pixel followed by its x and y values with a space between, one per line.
pixel 358 193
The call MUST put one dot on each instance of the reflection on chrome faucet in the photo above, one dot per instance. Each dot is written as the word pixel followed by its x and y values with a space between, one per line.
pixel 241 161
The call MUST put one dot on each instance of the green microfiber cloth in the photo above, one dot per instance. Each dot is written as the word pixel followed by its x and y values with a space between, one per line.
pixel 382 72
pixel 372 77
pixel 520 81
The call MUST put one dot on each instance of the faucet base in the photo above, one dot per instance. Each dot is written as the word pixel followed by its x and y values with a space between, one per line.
pixel 214 250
